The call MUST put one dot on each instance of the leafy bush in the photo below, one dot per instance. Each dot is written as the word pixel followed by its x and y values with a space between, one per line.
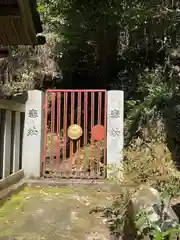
pixel 162 229
pixel 146 163
pixel 151 163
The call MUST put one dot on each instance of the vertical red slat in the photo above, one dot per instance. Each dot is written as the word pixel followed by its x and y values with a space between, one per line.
pixel 99 107
pixel 105 134
pixel 99 122
pixel 79 109
pixel 79 123
pixel 72 122
pixel 85 116
pixel 85 123
pixel 92 140
pixel 58 127
pixel 45 130
pixel 65 126
pixel 52 126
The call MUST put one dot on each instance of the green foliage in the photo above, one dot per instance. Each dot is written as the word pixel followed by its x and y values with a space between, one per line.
pixel 148 230
pixel 157 231
pixel 104 39
pixel 117 211
pixel 147 162
pixel 150 162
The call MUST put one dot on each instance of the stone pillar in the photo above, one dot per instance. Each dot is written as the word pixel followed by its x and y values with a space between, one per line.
pixel 16 148
pixel 33 134
pixel 115 133
pixel 7 144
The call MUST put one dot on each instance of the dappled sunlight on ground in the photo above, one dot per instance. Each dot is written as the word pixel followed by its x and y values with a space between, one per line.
pixel 55 213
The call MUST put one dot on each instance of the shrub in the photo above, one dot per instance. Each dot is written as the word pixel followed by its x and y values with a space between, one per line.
pixel 146 163
pixel 151 163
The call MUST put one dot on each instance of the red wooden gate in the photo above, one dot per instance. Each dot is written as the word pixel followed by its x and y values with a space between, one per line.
pixel 84 157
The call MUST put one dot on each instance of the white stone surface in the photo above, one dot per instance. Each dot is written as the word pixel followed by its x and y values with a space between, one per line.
pixel 33 134
pixel 115 131
pixel 7 144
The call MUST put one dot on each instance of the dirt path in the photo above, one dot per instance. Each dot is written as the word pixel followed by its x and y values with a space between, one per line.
pixel 55 213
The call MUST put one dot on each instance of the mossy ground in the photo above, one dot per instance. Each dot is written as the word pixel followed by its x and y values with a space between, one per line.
pixel 55 213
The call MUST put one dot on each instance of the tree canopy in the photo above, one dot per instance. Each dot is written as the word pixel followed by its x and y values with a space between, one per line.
pixel 101 42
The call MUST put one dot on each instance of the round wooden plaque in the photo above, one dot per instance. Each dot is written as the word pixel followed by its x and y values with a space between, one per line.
pixel 75 132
